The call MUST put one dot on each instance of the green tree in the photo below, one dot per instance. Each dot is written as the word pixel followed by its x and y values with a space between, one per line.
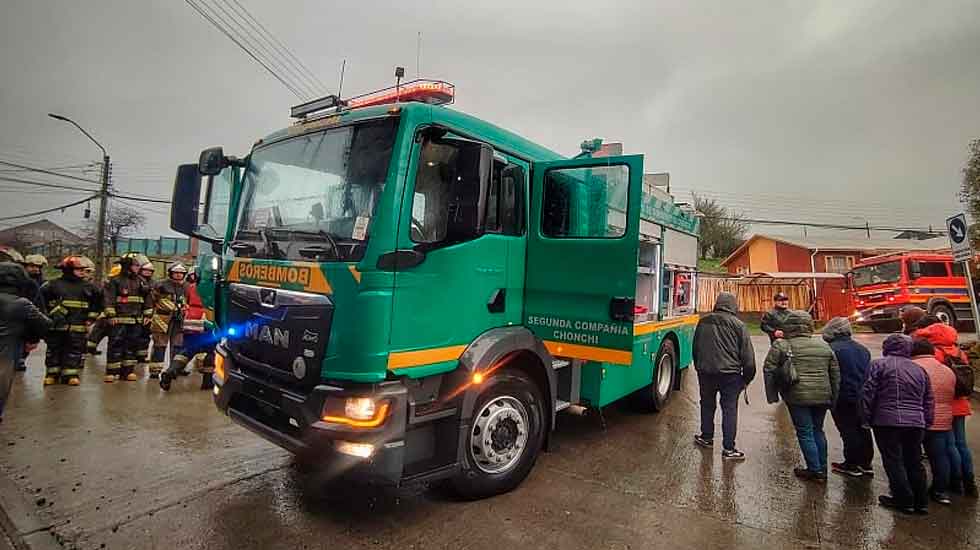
pixel 970 188
pixel 722 230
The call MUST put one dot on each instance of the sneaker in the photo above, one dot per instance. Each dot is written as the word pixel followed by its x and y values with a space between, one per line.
pixel 165 379
pixel 809 475
pixel 732 454
pixel 941 498
pixel 846 469
pixel 867 471
pixel 889 502
pixel 704 441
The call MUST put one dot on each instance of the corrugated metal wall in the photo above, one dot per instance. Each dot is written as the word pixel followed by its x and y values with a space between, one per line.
pixel 752 298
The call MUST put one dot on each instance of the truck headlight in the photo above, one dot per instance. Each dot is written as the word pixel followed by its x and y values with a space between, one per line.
pixel 359 412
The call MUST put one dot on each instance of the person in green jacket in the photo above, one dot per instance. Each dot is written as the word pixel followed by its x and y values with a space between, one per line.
pixel 817 383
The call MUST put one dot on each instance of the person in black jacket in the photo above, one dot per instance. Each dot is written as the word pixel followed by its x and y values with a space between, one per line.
pixel 20 320
pixel 725 363
pixel 854 360
pixel 772 320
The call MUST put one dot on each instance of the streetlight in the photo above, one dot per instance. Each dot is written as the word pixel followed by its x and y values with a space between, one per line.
pixel 103 198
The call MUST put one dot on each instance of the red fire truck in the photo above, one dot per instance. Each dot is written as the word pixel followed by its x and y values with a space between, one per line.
pixel 881 285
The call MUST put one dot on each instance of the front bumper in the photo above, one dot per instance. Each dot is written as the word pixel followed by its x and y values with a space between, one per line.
pixel 292 421
pixel 878 314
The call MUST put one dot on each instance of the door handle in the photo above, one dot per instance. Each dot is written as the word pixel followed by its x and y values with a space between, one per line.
pixel 621 308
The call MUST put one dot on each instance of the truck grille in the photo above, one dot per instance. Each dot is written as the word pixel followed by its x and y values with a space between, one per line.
pixel 282 334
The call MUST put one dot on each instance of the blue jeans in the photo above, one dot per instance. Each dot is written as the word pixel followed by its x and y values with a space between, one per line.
pixel 808 421
pixel 940 447
pixel 729 386
pixel 965 471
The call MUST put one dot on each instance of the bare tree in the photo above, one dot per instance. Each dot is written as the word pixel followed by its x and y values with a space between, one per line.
pixel 121 221
pixel 722 230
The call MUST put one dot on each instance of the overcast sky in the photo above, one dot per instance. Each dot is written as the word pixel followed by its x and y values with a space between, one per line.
pixel 817 111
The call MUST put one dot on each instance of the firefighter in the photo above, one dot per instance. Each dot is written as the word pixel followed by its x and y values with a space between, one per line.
pixel 197 340
pixel 143 353
pixel 166 326
pixel 34 264
pixel 126 300
pixel 100 328
pixel 70 301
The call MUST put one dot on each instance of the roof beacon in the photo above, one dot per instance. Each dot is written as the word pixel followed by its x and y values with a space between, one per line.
pixel 433 92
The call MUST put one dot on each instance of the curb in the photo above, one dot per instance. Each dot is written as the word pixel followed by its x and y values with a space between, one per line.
pixel 20 522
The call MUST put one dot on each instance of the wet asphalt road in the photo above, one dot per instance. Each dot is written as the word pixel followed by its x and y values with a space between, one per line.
pixel 127 466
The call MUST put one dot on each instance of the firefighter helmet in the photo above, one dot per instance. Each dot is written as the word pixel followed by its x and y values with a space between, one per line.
pixel 115 271
pixel 36 259
pixel 72 263
pixel 177 268
pixel 8 254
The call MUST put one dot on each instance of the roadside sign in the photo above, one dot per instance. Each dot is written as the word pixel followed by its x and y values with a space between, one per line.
pixel 959 238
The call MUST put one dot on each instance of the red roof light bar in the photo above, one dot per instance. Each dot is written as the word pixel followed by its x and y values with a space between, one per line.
pixel 433 92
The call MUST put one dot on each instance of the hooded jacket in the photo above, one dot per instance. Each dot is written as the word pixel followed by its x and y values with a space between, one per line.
pixel 853 359
pixel 722 344
pixel 944 338
pixel 942 382
pixel 20 321
pixel 897 392
pixel 813 359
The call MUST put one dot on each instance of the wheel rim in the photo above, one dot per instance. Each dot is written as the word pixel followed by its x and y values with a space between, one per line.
pixel 499 435
pixel 664 370
pixel 944 316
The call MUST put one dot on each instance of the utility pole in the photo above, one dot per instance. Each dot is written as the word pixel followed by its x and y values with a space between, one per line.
pixel 103 199
pixel 100 230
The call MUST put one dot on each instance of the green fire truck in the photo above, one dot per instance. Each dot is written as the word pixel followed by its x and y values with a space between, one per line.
pixel 405 293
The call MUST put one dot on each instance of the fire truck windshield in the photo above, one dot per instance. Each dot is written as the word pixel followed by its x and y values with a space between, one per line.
pixel 888 272
pixel 321 187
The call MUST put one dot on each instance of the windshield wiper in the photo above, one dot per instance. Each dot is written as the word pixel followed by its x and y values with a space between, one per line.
pixel 314 251
pixel 270 248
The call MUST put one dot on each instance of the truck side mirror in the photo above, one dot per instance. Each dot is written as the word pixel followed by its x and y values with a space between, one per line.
pixel 212 161
pixel 470 189
pixel 185 205
pixel 915 270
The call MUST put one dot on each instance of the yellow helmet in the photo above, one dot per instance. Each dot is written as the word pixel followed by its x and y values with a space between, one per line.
pixel 115 271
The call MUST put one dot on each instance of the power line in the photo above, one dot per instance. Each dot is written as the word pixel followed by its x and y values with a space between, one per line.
pixel 51 185
pixel 283 48
pixel 49 210
pixel 258 40
pixel 43 171
pixel 139 199
pixel 819 225
pixel 238 43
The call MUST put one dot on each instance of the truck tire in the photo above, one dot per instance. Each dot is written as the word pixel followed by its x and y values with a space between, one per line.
pixel 881 328
pixel 505 436
pixel 944 313
pixel 654 398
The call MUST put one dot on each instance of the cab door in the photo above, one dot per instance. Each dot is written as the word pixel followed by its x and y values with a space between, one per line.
pixel 583 236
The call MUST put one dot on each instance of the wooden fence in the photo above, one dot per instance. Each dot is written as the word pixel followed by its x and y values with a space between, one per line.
pixel 751 297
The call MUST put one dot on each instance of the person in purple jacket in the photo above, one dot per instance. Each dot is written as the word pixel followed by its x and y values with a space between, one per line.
pixel 897 402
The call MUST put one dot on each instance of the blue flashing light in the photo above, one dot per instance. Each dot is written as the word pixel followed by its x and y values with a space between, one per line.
pixel 232 331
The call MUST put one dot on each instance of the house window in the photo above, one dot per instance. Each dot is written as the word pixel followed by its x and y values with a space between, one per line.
pixel 839 264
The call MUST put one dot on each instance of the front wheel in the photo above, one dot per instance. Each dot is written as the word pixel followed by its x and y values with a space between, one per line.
pixel 505 436
pixel 945 314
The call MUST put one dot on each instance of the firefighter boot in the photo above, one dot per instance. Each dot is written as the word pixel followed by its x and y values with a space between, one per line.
pixel 73 381
pixel 207 382
pixel 970 487
pixel 50 380
pixel 166 379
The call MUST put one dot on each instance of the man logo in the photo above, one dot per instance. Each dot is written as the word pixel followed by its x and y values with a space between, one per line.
pixel 272 336
pixel 299 368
